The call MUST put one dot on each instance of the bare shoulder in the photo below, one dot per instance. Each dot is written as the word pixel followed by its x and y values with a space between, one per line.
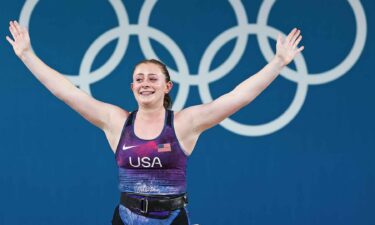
pixel 184 129
pixel 118 114
pixel 114 124
pixel 183 120
pixel 182 116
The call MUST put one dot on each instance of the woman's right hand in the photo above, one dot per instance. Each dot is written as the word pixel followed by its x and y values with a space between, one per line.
pixel 21 38
pixel 103 115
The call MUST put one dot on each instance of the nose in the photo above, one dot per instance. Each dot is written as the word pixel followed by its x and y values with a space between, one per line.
pixel 145 84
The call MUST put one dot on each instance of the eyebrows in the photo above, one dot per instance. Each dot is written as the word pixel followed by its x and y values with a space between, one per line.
pixel 150 74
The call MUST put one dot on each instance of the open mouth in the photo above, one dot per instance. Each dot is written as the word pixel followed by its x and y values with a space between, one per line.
pixel 146 93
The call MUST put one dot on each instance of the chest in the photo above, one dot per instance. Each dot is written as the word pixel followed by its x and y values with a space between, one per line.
pixel 151 155
pixel 148 130
pixel 159 150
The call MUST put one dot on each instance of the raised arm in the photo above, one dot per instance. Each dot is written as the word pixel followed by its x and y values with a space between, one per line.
pixel 102 115
pixel 207 115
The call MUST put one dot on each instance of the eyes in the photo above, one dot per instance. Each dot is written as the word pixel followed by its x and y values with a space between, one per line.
pixel 152 79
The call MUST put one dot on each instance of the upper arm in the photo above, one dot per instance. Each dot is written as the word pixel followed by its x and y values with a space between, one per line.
pixel 96 112
pixel 108 117
pixel 207 115
pixel 202 117
pixel 192 121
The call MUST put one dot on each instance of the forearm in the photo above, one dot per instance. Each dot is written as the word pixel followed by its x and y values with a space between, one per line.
pixel 249 89
pixel 56 83
pixel 209 114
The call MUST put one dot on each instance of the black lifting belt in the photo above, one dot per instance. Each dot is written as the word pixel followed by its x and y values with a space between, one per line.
pixel 153 203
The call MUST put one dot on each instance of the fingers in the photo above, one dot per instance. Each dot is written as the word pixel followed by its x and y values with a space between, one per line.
pixel 295 36
pixel 17 26
pixel 13 30
pixel 289 47
pixel 297 42
pixel 10 40
pixel 16 30
pixel 295 39
pixel 290 35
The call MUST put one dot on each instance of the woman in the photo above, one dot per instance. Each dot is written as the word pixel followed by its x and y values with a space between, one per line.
pixel 152 143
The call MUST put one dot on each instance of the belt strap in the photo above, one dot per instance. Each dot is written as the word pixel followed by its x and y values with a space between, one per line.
pixel 153 203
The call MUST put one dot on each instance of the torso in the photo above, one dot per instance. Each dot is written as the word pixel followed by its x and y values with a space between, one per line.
pixel 155 165
pixel 149 130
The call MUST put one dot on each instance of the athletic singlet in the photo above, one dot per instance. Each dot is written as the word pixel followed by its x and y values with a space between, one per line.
pixel 155 167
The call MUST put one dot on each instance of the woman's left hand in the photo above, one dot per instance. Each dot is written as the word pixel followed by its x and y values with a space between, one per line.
pixel 287 49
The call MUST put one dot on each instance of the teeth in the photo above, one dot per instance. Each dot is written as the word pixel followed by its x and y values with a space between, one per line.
pixel 147 92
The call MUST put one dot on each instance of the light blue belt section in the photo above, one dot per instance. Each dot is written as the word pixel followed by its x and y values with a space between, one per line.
pixel 130 218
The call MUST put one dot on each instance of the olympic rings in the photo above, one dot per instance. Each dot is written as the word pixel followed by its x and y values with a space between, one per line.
pixel 205 76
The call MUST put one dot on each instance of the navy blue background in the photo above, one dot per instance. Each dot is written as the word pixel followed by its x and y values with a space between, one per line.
pixel 56 168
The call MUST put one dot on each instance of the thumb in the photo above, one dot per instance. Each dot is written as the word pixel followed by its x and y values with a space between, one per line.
pixel 10 40
pixel 279 39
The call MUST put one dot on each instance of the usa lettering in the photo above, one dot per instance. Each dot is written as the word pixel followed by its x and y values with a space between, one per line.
pixel 145 162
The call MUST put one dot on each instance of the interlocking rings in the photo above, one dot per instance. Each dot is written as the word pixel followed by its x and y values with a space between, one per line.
pixel 205 76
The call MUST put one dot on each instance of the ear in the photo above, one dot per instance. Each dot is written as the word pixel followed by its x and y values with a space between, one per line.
pixel 131 86
pixel 169 87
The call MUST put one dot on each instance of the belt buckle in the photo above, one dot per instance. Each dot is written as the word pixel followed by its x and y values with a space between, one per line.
pixel 185 201
pixel 144 205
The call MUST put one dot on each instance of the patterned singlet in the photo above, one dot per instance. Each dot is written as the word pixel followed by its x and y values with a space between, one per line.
pixel 151 167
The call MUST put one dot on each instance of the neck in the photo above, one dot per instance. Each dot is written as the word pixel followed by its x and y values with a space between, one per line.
pixel 145 113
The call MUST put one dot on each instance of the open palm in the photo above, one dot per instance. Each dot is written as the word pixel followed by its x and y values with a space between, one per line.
pixel 287 49
pixel 21 38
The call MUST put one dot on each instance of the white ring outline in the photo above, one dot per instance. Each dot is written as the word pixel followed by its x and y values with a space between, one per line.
pixel 85 76
pixel 284 118
pixel 303 79
pixel 182 76
pixel 337 71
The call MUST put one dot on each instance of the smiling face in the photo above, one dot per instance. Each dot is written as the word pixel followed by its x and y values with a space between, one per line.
pixel 149 85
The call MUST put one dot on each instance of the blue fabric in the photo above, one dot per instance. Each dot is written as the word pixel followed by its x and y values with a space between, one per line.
pixel 150 167
pixel 156 166
pixel 131 218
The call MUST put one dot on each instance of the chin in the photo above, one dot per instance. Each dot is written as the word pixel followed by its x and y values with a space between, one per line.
pixel 148 102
